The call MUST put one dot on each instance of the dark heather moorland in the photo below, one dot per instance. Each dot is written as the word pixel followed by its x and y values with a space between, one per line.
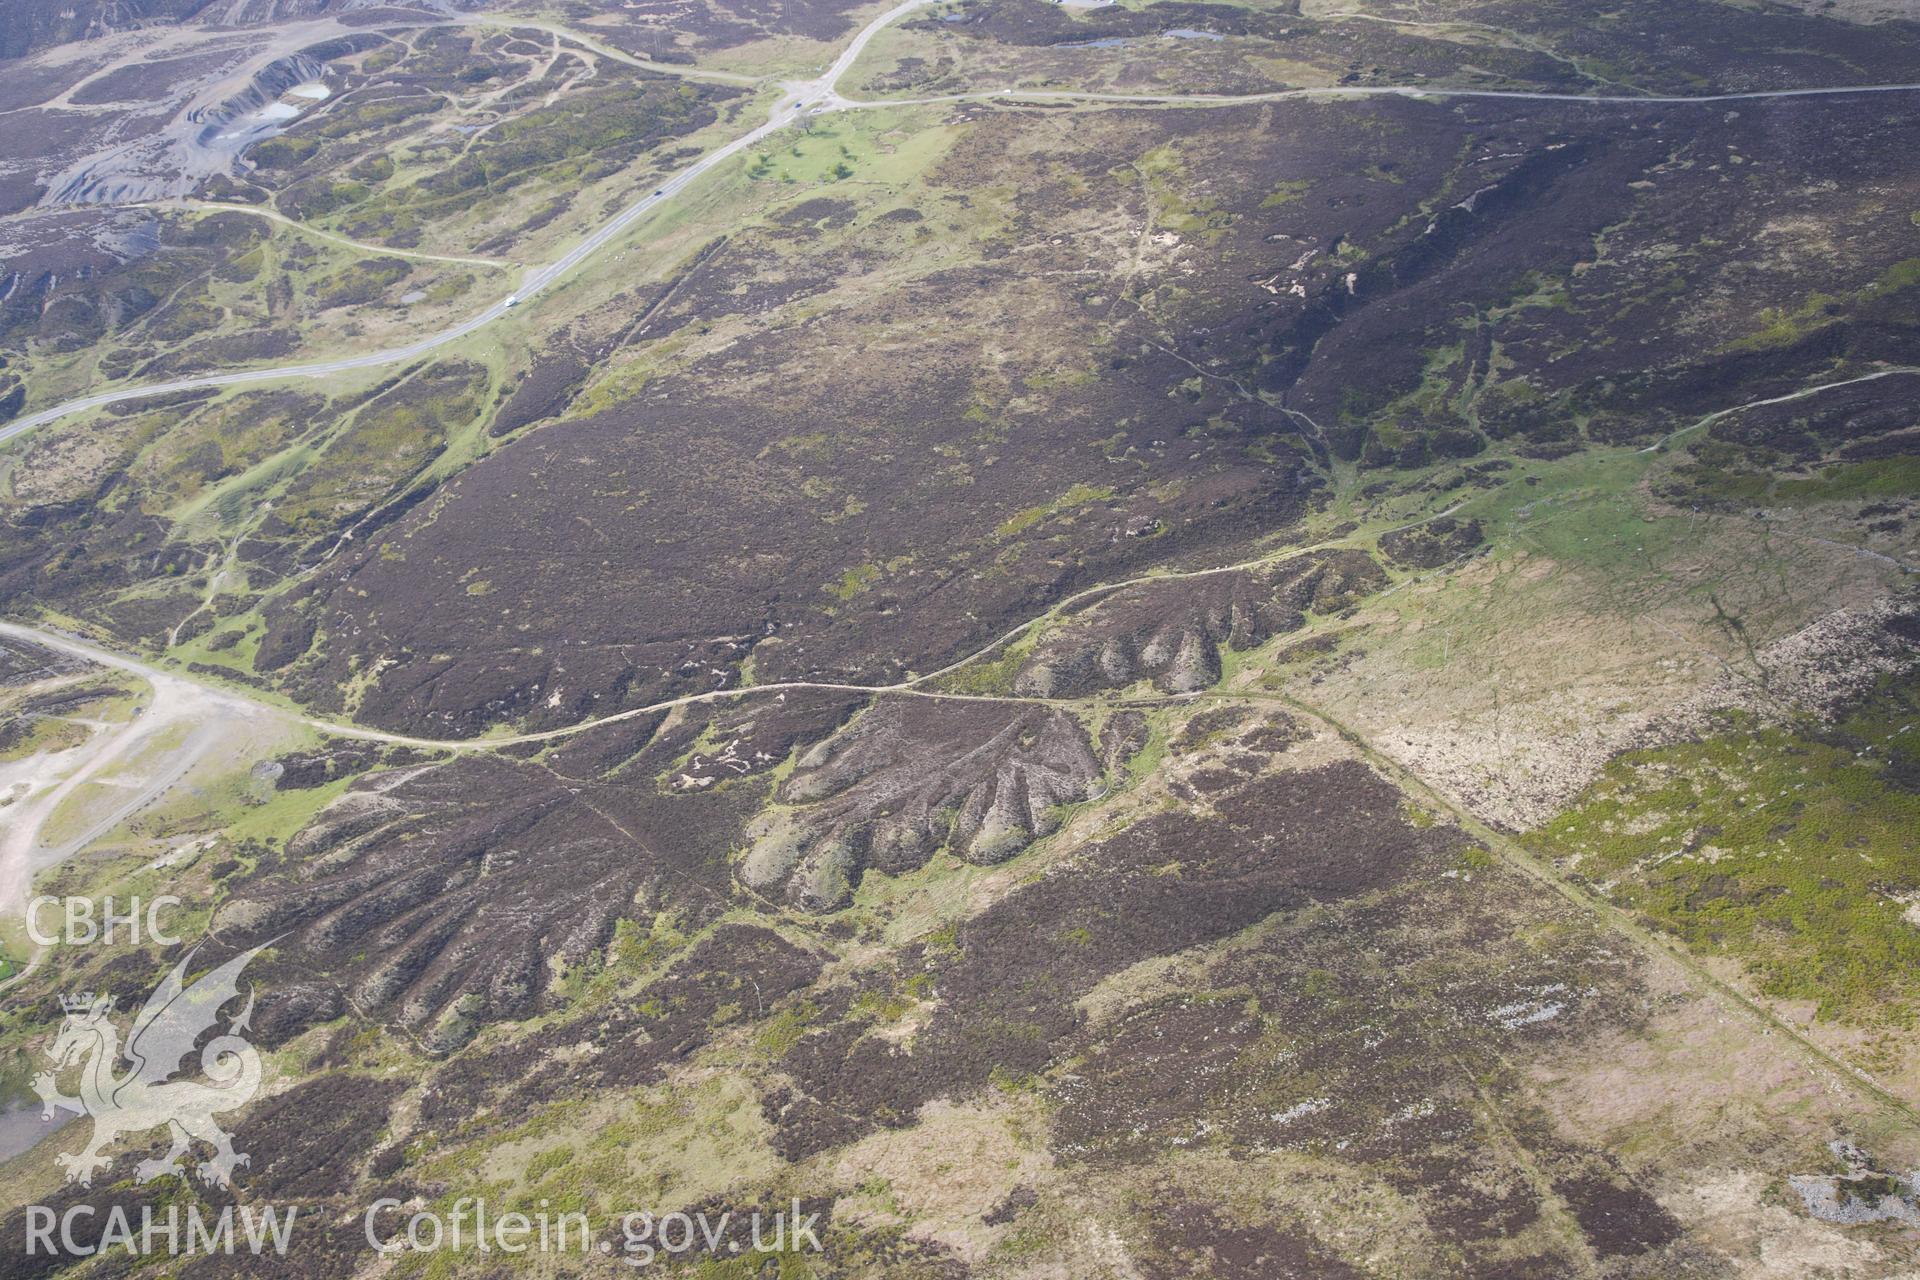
pixel 1159 640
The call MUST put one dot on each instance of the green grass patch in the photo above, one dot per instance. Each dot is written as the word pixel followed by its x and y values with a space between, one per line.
pixel 853 582
pixel 1286 193
pixel 1880 478
pixel 1796 851
pixel 1783 326
pixel 283 814
pixel 1177 205
pixel 40 733
pixel 1730 473
pixel 1079 495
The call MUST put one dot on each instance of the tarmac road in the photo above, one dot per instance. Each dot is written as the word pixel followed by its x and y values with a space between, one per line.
pixel 535 281
pixel 822 94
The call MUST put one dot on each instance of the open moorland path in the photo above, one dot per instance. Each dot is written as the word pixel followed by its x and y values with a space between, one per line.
pixel 822 95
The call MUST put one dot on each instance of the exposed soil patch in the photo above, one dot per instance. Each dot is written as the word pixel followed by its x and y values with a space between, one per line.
pixel 911 777
pixel 444 898
pixel 1173 633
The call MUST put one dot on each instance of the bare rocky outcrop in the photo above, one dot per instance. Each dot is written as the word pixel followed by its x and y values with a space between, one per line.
pixel 912 777
pixel 1821 670
pixel 220 113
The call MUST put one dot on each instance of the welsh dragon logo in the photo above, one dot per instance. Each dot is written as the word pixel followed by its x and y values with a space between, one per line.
pixel 148 1096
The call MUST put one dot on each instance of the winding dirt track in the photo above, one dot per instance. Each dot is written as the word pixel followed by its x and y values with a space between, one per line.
pixel 911 687
pixel 274 215
pixel 178 699
pixel 207 714
pixel 78 647
pixel 823 95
